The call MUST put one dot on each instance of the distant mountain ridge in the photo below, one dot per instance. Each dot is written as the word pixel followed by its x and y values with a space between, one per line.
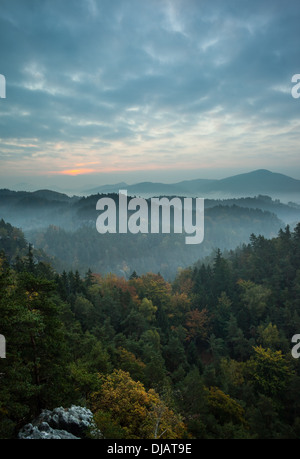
pixel 42 195
pixel 261 181
pixel 249 184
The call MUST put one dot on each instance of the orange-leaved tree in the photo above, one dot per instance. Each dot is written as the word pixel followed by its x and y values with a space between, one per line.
pixel 197 324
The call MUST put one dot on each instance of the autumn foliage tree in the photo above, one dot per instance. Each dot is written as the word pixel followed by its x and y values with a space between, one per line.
pixel 197 324
pixel 134 412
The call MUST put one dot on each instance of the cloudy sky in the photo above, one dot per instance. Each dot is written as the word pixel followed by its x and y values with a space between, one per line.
pixel 99 91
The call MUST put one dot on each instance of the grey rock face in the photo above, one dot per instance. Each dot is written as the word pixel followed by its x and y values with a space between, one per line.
pixel 61 423
pixel 44 432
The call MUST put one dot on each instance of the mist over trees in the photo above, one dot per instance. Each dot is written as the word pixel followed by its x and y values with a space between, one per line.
pixel 65 228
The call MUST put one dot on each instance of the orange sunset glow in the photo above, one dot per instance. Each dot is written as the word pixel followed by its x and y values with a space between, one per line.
pixel 76 171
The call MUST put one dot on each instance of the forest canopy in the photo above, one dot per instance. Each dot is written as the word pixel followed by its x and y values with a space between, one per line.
pixel 207 355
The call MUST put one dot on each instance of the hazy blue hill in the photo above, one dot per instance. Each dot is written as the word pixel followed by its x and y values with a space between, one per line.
pixel 289 213
pixel 54 196
pixel 42 195
pixel 252 183
pixel 152 188
pixel 107 188
pixel 196 186
pixel 144 188
pixel 25 209
pixel 260 181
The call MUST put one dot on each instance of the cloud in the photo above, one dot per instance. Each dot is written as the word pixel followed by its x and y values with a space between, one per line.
pixel 135 83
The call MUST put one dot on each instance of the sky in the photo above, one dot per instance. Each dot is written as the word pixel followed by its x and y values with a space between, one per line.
pixel 103 91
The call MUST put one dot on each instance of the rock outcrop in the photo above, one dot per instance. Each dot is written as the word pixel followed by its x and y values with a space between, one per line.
pixel 71 423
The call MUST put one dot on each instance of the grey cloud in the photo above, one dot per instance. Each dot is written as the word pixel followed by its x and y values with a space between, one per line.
pixel 93 60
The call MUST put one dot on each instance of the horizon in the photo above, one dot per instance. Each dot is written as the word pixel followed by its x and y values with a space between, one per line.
pixel 86 188
pixel 147 91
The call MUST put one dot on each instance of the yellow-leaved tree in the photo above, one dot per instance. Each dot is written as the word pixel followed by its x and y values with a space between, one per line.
pixel 124 409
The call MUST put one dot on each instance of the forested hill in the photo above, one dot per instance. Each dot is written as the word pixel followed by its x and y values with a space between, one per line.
pixel 39 209
pixel 205 356
pixel 65 228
